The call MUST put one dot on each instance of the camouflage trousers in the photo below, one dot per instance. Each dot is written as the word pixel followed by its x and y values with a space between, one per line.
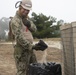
pixel 23 59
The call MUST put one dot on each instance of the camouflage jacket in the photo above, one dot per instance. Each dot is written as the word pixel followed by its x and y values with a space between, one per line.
pixel 23 36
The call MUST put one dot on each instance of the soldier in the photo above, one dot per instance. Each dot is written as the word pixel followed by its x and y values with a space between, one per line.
pixel 21 28
pixel 23 52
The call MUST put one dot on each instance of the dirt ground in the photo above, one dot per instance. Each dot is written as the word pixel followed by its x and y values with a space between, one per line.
pixel 7 63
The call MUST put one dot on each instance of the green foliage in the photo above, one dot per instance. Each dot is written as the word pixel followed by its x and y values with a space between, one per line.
pixel 44 26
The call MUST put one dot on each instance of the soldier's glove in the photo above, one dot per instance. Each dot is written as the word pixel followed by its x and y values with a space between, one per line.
pixel 41 45
pixel 27 23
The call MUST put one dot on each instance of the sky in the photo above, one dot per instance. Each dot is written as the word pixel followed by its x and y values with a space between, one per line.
pixel 60 9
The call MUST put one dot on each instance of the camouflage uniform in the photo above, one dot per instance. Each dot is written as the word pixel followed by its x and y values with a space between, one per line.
pixel 23 52
pixel 10 35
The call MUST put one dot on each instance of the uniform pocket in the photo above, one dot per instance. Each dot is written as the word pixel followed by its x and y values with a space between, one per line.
pixel 18 51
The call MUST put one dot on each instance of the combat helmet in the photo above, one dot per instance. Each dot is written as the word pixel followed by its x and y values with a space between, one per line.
pixel 26 4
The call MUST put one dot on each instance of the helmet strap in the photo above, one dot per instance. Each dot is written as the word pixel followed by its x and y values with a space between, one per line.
pixel 18 4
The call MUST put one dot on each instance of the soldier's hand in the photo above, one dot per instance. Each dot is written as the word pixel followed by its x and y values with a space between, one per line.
pixel 27 23
pixel 41 45
pixel 36 47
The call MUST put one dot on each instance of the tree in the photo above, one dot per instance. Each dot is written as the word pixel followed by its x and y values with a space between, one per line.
pixel 4 22
pixel 56 28
pixel 43 24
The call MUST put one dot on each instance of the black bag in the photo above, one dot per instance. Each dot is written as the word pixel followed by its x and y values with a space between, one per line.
pixel 45 69
pixel 41 45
